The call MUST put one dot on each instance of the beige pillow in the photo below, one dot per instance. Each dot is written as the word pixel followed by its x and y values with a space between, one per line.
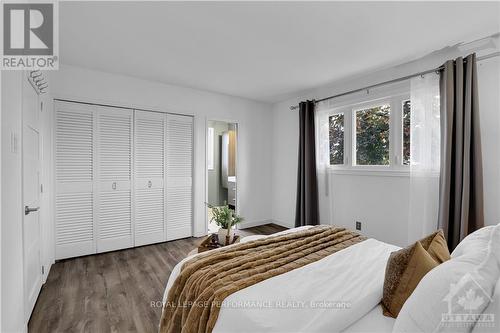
pixel 406 267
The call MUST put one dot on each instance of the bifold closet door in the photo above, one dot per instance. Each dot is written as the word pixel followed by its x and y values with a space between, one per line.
pixel 114 166
pixel 149 196
pixel 179 186
pixel 75 179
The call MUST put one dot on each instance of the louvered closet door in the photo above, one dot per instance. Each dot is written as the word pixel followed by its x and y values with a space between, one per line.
pixel 149 197
pixel 179 188
pixel 114 137
pixel 74 199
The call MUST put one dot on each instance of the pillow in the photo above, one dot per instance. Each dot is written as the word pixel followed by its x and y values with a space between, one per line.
pixel 495 242
pixel 490 318
pixel 474 242
pixel 406 267
pixel 451 296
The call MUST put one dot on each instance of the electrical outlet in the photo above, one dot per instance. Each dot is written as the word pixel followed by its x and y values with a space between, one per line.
pixel 358 225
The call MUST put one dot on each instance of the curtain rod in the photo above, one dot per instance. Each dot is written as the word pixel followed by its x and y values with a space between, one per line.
pixel 437 70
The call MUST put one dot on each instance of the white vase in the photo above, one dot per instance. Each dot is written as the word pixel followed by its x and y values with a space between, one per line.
pixel 222 236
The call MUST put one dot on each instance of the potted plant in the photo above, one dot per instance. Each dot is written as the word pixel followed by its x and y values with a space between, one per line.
pixel 225 218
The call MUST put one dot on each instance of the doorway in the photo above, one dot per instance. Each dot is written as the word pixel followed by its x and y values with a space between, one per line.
pixel 222 180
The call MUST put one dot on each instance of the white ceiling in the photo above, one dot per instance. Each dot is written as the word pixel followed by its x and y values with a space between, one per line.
pixel 262 51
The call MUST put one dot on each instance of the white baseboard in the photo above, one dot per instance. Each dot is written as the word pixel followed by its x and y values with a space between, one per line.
pixel 250 224
pixel 283 224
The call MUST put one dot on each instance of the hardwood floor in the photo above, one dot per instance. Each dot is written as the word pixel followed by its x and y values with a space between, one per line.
pixel 118 291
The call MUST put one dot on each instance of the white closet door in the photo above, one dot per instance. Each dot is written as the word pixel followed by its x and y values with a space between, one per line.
pixel 149 199
pixel 114 137
pixel 179 188
pixel 75 171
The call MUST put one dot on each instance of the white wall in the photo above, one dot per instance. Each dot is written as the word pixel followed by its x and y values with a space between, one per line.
pixel 381 203
pixel 489 107
pixel 11 220
pixel 253 118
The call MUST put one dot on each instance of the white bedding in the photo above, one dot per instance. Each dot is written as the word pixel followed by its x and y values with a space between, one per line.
pixel 373 322
pixel 326 296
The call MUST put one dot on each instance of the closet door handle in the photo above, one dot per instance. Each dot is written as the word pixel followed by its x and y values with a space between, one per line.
pixel 113 186
pixel 150 183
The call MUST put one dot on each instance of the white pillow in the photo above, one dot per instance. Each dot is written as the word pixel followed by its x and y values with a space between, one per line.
pixel 474 242
pixel 459 286
pixel 490 319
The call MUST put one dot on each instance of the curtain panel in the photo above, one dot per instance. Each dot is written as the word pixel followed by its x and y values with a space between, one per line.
pixel 307 207
pixel 425 156
pixel 461 178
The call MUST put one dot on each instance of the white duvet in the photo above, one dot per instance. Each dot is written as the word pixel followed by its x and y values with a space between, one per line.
pixel 326 296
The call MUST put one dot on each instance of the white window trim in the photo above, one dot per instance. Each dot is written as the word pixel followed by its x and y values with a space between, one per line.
pixel 210 148
pixel 396 168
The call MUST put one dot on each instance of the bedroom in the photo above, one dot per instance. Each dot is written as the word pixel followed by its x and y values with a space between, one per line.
pixel 345 116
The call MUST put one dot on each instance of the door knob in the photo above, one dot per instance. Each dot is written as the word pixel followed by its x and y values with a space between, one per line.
pixel 28 209
pixel 150 183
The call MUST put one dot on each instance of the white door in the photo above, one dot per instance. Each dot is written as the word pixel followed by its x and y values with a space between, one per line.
pixel 179 185
pixel 114 208
pixel 31 197
pixel 149 151
pixel 75 179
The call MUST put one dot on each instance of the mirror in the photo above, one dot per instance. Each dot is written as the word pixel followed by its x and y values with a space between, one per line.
pixel 221 167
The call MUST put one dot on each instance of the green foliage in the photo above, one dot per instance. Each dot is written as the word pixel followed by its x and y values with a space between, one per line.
pixel 372 136
pixel 336 134
pixel 224 216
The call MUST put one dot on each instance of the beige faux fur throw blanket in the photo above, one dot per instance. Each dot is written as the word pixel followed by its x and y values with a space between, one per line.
pixel 195 298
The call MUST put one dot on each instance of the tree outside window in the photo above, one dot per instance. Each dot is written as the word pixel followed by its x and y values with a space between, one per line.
pixel 372 135
pixel 336 138
pixel 406 132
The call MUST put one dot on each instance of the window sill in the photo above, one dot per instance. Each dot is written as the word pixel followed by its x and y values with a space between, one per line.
pixel 369 172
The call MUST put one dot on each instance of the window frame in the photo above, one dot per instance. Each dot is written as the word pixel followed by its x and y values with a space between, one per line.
pixel 349 109
pixel 211 148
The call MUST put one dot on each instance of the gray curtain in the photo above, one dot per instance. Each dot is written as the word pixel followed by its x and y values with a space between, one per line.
pixel 307 211
pixel 461 179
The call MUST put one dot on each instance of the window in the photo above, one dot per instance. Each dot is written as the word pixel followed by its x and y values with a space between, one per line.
pixel 406 132
pixel 336 138
pixel 372 135
pixel 365 136
pixel 210 148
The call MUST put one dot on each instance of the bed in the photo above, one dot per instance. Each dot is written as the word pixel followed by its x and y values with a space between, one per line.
pixel 336 296
pixel 342 291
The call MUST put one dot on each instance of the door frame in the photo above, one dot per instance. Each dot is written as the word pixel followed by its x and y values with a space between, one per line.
pixel 238 128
